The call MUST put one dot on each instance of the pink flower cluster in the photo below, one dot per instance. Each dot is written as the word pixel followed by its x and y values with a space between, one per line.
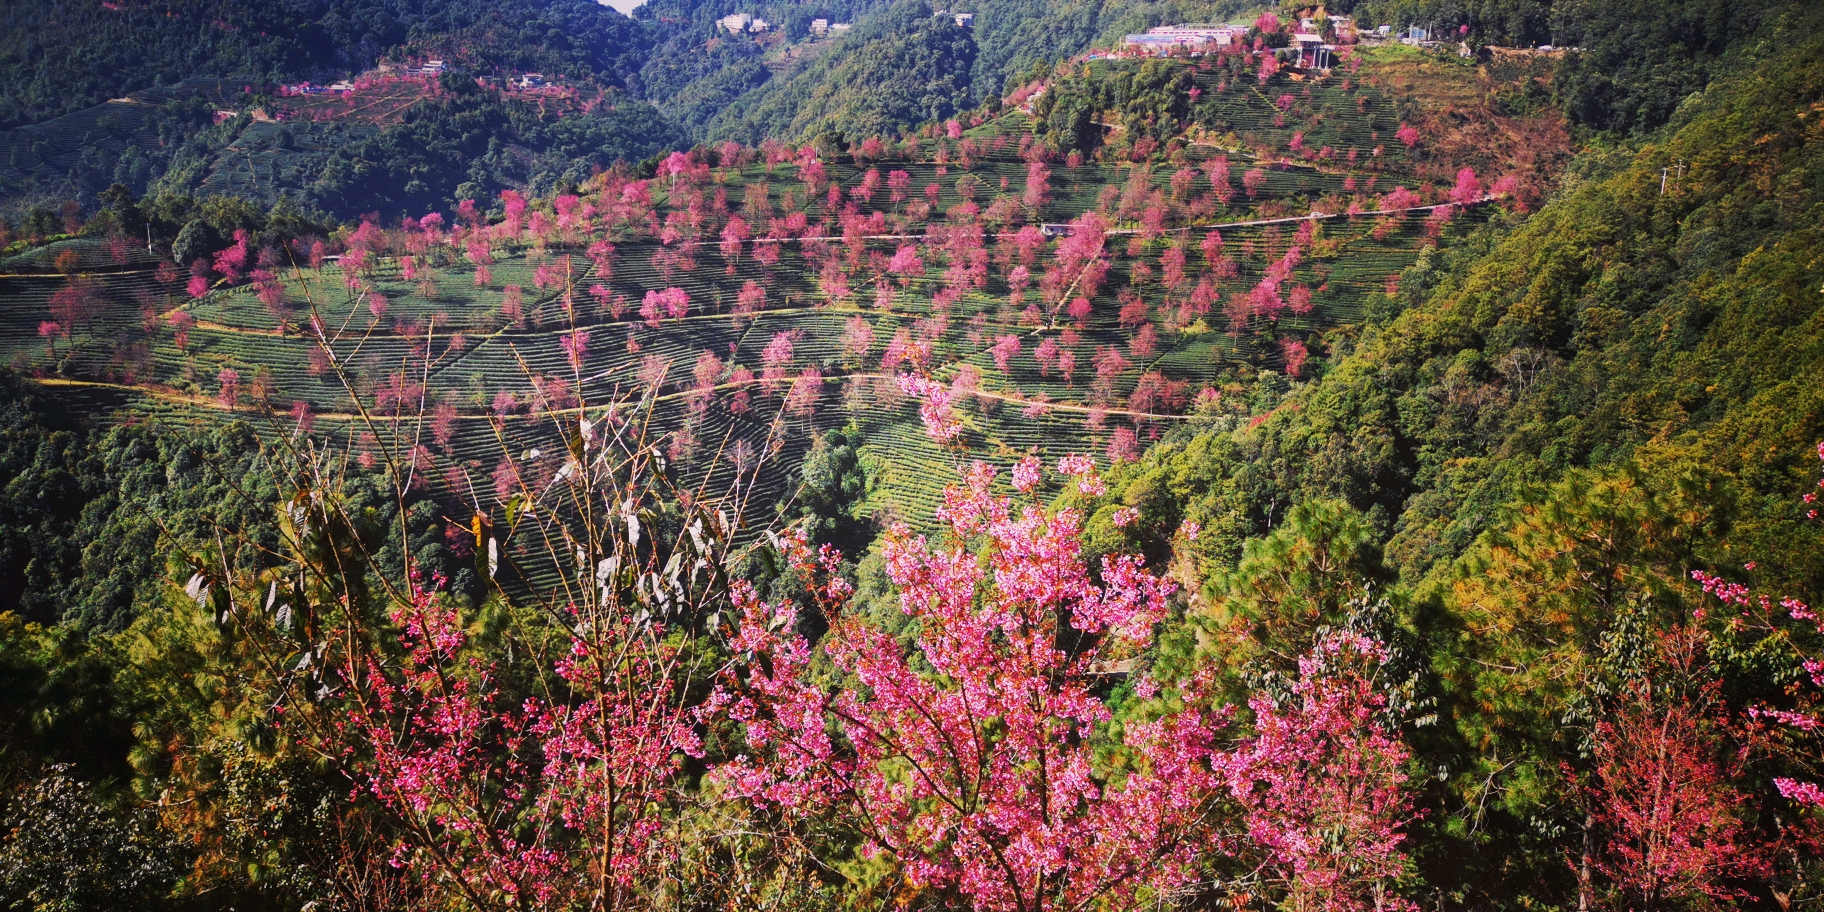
pixel 978 760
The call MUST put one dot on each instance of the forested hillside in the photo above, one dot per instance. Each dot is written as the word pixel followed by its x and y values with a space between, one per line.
pixel 59 57
pixel 900 66
pixel 924 467
pixel 1546 428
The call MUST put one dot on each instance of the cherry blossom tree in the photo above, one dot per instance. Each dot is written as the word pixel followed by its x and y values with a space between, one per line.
pixel 805 392
pixel 1253 180
pixel 1005 349
pixel 1038 186
pixel 1321 782
pixel 776 358
pixel 970 761
pixel 857 339
pixel 1468 188
pixel 1295 354
pixel 1664 794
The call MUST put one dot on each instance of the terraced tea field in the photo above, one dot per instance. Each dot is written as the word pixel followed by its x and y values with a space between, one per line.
pixel 477 344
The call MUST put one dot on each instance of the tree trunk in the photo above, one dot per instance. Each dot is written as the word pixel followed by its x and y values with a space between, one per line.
pixel 1584 862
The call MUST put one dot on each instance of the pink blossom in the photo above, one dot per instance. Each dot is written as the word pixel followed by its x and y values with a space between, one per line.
pixel 941 422
pixel 1083 469
pixel 1027 473
pixel 1468 188
pixel 230 380
pixel 1004 350
pixel 1322 780
pixel 1802 792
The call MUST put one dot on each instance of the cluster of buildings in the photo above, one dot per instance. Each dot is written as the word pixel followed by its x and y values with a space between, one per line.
pixel 736 23
pixel 342 87
pixel 1166 38
pixel 1308 40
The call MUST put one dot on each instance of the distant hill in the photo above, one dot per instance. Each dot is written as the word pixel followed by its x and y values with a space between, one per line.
pixel 901 64
pixel 181 96
pixel 61 56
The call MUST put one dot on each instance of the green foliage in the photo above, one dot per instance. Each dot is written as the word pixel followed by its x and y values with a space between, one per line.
pixel 1635 62
pixel 833 486
pixel 1617 324
pixel 59 703
pixel 61 851
pixel 899 67
pixel 1151 100
pixel 896 69
pixel 1505 471
pixel 84 513
pixel 1547 429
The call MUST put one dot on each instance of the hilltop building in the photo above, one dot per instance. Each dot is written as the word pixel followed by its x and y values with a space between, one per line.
pixel 1163 39
pixel 736 23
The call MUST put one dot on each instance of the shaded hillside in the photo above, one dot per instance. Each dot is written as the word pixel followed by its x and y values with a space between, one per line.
pixel 455 142
pixel 63 56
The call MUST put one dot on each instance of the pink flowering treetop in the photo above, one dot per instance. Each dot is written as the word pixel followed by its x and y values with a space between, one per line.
pixel 972 759
pixel 493 794
pixel 1793 630
pixel 1321 783
pixel 1666 793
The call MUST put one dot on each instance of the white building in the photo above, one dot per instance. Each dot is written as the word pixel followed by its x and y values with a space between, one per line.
pixel 759 25
pixel 820 26
pixel 1165 38
pixel 965 20
pixel 735 22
